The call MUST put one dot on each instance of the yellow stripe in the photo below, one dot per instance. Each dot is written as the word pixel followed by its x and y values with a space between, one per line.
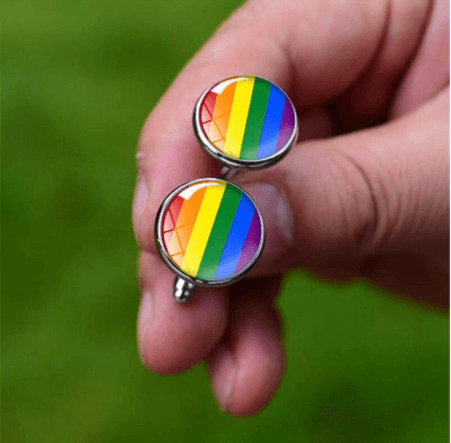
pixel 202 228
pixel 238 117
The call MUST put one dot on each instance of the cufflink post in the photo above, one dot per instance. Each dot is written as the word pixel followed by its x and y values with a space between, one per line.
pixel 183 290
pixel 227 173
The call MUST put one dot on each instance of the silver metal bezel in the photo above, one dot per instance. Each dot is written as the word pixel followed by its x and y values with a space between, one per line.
pixel 236 162
pixel 174 268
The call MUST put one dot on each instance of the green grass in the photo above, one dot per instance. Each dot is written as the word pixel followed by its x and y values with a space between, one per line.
pixel 79 79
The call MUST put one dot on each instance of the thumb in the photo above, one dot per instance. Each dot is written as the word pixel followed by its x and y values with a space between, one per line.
pixel 383 189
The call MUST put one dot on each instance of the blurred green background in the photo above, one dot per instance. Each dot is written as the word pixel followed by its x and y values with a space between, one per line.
pixel 79 79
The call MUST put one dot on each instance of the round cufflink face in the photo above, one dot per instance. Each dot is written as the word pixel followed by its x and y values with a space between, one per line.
pixel 245 122
pixel 209 232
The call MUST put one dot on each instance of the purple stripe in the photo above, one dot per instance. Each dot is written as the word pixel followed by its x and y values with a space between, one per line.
pixel 286 125
pixel 251 243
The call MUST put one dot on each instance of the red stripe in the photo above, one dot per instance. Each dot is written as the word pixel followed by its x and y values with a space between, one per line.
pixel 206 110
pixel 171 216
pixel 207 107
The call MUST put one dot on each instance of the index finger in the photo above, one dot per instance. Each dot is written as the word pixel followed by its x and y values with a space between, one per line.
pixel 283 44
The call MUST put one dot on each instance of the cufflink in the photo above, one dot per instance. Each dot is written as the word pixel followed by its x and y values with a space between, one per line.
pixel 209 232
pixel 245 123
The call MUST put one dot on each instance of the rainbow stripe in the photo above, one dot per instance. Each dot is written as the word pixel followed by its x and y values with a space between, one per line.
pixel 247 118
pixel 211 230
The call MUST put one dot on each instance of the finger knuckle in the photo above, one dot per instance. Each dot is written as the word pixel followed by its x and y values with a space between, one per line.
pixel 369 204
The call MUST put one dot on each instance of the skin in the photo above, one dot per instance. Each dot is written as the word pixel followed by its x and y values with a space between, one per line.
pixel 365 192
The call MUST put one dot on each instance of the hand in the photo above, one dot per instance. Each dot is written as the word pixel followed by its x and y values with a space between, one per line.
pixel 364 192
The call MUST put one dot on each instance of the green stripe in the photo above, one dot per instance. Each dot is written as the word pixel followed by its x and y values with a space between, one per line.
pixel 219 233
pixel 255 119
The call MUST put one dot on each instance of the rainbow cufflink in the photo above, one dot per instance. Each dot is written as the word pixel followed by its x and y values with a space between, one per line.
pixel 245 123
pixel 209 231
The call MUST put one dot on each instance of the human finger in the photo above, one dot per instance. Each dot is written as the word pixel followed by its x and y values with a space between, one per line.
pixel 172 336
pixel 381 190
pixel 247 366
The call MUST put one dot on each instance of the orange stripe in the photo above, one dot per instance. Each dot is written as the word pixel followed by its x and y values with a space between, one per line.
pixel 185 223
pixel 221 114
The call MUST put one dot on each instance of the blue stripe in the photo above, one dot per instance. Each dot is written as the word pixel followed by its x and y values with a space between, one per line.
pixel 271 125
pixel 235 240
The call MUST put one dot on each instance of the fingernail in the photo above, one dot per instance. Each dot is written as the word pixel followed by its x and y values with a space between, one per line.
pixel 144 319
pixel 276 213
pixel 139 201
pixel 222 368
